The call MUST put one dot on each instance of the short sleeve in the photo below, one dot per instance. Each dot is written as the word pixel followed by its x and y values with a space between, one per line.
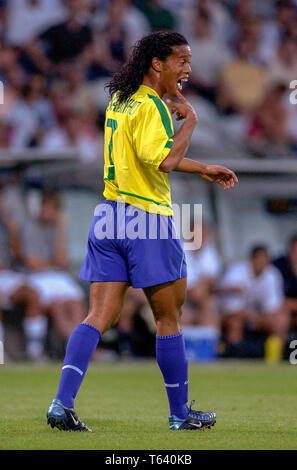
pixel 210 262
pixel 193 269
pixel 235 275
pixel 205 263
pixel 153 132
pixel 274 295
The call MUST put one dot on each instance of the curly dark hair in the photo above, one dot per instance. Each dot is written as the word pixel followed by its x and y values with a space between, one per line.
pixel 129 78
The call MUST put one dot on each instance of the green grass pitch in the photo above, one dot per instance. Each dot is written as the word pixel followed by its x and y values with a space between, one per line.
pixel 126 406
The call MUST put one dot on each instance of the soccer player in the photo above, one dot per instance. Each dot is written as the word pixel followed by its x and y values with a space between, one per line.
pixel 140 150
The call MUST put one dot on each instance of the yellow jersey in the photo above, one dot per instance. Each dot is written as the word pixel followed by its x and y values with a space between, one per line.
pixel 138 137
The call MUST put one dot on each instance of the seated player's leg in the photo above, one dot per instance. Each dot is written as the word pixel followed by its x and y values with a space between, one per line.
pixel 106 300
pixel 208 313
pixel 275 323
pixel 58 314
pixel 34 323
pixel 290 306
pixel 166 301
pixel 189 316
pixel 62 297
pixel 233 325
pixel 75 312
pixel 66 315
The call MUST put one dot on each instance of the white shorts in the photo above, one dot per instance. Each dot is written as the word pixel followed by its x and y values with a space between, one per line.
pixel 10 281
pixel 55 286
pixel 229 305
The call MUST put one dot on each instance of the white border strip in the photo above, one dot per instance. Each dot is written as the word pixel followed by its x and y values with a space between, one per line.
pixel 74 368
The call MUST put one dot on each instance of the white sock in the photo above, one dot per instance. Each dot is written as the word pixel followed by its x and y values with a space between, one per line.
pixel 35 331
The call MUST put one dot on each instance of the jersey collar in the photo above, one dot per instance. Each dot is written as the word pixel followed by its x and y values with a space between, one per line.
pixel 148 90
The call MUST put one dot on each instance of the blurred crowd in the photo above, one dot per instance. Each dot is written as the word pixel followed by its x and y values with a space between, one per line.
pixel 55 59
pixel 57 55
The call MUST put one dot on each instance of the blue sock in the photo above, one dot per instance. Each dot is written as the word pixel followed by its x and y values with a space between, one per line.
pixel 171 358
pixel 80 348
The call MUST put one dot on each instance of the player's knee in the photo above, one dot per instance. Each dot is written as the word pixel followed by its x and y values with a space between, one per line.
pixel 279 324
pixel 172 316
pixel 25 294
pixel 32 295
pixel 101 320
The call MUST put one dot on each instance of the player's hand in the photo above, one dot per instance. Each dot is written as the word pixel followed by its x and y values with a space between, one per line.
pixel 221 175
pixel 183 108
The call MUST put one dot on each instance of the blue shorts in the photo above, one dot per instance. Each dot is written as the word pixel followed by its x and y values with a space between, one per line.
pixel 129 244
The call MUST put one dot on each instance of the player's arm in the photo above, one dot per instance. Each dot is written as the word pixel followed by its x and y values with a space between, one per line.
pixel 212 173
pixel 183 136
pixel 175 160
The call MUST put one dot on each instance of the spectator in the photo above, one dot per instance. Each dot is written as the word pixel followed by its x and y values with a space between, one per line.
pixel 243 12
pixel 252 33
pixel 3 137
pixel 269 124
pixel 208 57
pixel 287 17
pixel 159 18
pixel 13 78
pixel 99 60
pixel 12 74
pixel 14 289
pixel 63 42
pixel 186 12
pixel 287 265
pixel 22 122
pixel 80 92
pixel 77 44
pixel 251 295
pixel 203 267
pixel 125 18
pixel 2 20
pixel 242 84
pixel 284 68
pixel 26 19
pixel 31 115
pixel 74 132
pixel 115 35
pixel 46 259
pixel 36 93
pixel 269 38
